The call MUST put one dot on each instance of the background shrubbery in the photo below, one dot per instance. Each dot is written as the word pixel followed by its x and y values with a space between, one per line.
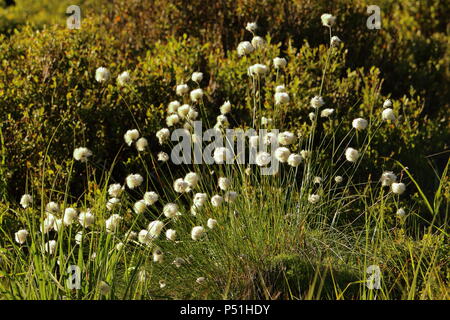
pixel 50 102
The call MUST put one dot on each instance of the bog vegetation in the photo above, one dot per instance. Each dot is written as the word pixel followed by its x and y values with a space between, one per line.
pixel 92 206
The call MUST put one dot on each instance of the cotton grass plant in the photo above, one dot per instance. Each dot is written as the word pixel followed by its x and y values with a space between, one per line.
pixel 226 231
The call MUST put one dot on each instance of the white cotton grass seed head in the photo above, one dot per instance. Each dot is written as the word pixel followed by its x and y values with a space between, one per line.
pixel 50 247
pixel 115 190
pixel 200 280
pixel 150 197
pixel 171 234
pixel 194 210
pixel 244 48
pixel 192 114
pixel 400 212
pixel 279 63
pixel 112 223
pixel 335 41
pixel 158 256
pixel 312 116
pixel 282 154
pixel 266 121
pixel 398 188
pixel 144 237
pixel 112 203
pixel 196 95
pixel 317 180
pixel 21 236
pixel 163 157
pixel 163 135
pixel 258 42
pixel 124 78
pixel 134 180
pixel 216 200
pixel 313 198
pixel 222 120
pixel 224 183
pixel 388 178
pixel 48 223
pixel 183 111
pixel 222 155
pixel 351 154
pixel 325 113
pixel 57 225
pixel 182 89
pixel 172 120
pixel 220 125
pixel 317 102
pixel 251 27
pixel 162 284
pixel 86 219
pixel 26 201
pixel 173 107
pixel 257 70
pixel 328 20
pixel 82 154
pixel 79 237
pixel 359 124
pixel 280 88
pixel 197 77
pixel 270 138
pixel 178 262
pixel 154 228
pixel 225 108
pixel 230 196
pixel 305 154
pixel 253 141
pixel 197 232
pixel 131 235
pixel 282 98
pixel 52 207
pixel 388 115
pixel 70 216
pixel 211 223
pixel 102 74
pixel 200 199
pixel 387 103
pixel 192 179
pixel 119 246
pixel 263 158
pixel 130 136
pixel 180 186
pixel 338 179
pixel 139 207
pixel 286 138
pixel 294 160
pixel 170 210
pixel 141 144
